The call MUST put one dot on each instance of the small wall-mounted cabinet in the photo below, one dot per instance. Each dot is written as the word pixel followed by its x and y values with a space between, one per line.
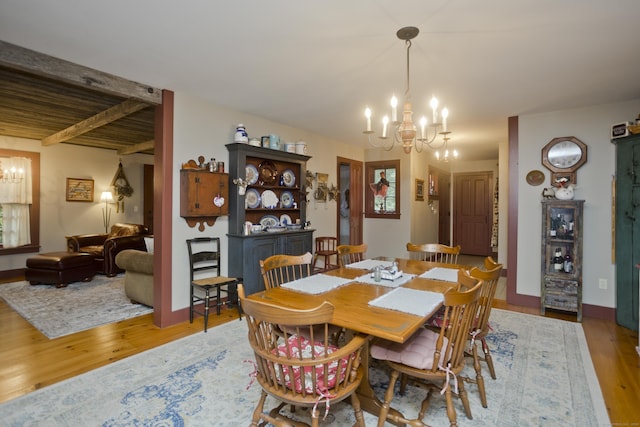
pixel 204 196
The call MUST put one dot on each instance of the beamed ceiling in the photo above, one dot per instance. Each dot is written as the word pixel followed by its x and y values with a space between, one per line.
pixel 55 101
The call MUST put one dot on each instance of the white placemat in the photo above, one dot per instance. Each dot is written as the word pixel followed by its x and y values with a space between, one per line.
pixel 388 283
pixel 441 273
pixel 316 284
pixel 410 301
pixel 370 264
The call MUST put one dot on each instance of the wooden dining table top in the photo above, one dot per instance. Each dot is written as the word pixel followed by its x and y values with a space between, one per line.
pixel 351 301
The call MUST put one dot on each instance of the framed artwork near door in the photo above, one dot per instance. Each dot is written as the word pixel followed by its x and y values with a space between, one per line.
pixel 420 190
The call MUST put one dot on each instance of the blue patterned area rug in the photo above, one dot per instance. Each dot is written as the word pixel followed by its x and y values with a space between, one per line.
pixel 80 306
pixel 545 378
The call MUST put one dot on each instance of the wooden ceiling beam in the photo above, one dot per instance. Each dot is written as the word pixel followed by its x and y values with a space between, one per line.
pixel 136 148
pixel 103 118
pixel 19 58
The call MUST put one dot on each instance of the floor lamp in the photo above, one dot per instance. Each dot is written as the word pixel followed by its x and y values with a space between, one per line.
pixel 107 198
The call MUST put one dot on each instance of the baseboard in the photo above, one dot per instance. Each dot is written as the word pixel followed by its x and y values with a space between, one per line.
pixel 12 275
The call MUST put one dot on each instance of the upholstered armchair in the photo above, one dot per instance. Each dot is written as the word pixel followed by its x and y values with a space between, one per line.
pixel 104 247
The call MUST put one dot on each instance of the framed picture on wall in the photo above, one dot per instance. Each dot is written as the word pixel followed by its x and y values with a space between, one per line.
pixel 420 190
pixel 79 190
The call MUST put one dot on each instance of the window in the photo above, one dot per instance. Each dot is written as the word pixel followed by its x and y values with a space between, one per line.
pixel 382 198
pixel 32 230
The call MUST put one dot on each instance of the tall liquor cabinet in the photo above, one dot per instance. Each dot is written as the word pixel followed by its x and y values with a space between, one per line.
pixel 561 272
pixel 275 194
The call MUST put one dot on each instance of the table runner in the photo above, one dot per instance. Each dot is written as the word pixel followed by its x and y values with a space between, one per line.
pixel 316 284
pixel 410 301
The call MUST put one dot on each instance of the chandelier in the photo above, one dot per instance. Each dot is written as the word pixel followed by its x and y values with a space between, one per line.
pixel 11 176
pixel 405 132
pixel 446 155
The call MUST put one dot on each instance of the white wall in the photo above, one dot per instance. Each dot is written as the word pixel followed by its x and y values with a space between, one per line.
pixel 59 218
pixel 592 126
pixel 201 128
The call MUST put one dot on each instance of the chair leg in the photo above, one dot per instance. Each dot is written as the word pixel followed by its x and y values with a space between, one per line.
pixel 451 410
pixel 355 403
pixel 206 309
pixel 479 377
pixel 191 305
pixel 257 413
pixel 238 301
pixel 488 359
pixel 218 303
pixel 462 393
pixel 388 396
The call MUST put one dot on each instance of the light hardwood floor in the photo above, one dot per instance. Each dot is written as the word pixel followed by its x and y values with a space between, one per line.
pixel 29 360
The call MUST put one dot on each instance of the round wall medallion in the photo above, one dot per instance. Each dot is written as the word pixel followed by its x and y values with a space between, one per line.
pixel 535 177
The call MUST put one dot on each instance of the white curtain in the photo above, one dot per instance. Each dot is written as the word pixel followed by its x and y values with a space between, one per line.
pixel 16 198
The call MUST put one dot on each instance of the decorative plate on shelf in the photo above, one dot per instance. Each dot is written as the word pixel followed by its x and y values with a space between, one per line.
pixel 289 178
pixel 267 172
pixel 535 177
pixel 253 198
pixel 285 219
pixel 252 174
pixel 269 199
pixel 287 199
pixel 269 221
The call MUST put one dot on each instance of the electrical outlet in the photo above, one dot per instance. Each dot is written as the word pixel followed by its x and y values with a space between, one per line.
pixel 603 283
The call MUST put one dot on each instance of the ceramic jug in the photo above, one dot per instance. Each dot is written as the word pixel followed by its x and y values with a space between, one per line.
pixel 565 193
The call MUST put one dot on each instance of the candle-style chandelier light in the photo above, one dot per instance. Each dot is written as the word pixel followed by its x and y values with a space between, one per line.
pixel 405 132
pixel 12 175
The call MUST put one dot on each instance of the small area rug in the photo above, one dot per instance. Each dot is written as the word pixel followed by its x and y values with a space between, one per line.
pixel 81 305
pixel 545 378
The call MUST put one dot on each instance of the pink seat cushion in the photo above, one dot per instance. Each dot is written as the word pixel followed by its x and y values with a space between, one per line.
pixel 302 346
pixel 417 352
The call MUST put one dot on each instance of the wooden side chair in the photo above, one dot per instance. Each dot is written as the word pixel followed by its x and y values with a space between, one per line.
pixel 430 358
pixel 348 254
pixel 480 327
pixel 326 247
pixel 279 269
pixel 298 367
pixel 204 275
pixel 434 252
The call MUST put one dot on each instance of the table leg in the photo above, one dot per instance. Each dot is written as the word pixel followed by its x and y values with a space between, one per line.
pixel 368 399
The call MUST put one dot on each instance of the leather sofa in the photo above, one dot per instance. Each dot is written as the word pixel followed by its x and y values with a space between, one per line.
pixel 138 276
pixel 104 247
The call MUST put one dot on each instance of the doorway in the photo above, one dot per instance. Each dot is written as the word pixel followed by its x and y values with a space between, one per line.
pixel 472 212
pixel 350 212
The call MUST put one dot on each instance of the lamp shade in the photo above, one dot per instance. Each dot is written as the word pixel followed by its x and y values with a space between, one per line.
pixel 106 196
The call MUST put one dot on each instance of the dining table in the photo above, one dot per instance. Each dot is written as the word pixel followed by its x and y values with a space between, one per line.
pixel 354 294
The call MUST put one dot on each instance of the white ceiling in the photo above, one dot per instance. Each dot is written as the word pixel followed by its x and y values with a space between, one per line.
pixel 315 65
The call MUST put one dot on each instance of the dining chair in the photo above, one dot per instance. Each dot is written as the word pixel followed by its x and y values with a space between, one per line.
pixel 348 254
pixel 204 274
pixel 434 252
pixel 279 269
pixel 432 359
pixel 480 327
pixel 326 247
pixel 298 367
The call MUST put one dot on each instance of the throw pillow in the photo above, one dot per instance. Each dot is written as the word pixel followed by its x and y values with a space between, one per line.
pixel 148 241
